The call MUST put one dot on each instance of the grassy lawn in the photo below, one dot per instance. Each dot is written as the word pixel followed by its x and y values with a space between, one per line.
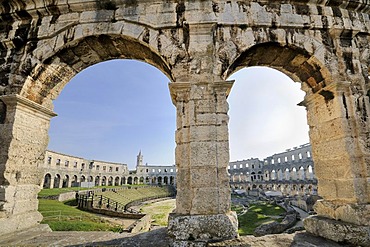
pixel 64 216
pixel 256 215
pixel 159 211
pixel 57 191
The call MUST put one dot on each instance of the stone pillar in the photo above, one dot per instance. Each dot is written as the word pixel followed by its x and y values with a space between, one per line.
pixel 60 185
pixel 52 179
pixel 69 184
pixel 23 141
pixel 202 155
pixel 341 167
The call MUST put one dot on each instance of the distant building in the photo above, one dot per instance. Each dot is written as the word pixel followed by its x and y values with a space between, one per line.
pixel 291 172
pixel 62 170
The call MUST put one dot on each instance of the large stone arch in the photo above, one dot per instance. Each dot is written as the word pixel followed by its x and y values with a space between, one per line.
pixel 48 78
pixel 292 60
pixel 322 44
pixel 331 116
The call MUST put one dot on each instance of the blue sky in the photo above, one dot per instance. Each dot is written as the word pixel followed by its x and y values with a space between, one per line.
pixel 112 110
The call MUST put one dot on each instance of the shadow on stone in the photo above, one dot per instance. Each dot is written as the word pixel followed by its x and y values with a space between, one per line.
pixel 155 238
pixel 305 239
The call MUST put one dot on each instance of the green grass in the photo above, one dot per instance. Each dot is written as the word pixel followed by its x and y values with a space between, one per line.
pixel 159 211
pixel 57 191
pixel 64 217
pixel 256 215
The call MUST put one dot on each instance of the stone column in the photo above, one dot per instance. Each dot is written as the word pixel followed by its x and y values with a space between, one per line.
pixel 23 141
pixel 341 167
pixel 202 155
pixel 69 184
pixel 61 181
pixel 52 179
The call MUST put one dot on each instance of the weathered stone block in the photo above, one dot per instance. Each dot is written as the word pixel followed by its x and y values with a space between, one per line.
pixel 333 149
pixel 19 222
pixel 358 214
pixel 203 177
pixel 330 130
pixel 203 228
pixel 336 168
pixel 338 231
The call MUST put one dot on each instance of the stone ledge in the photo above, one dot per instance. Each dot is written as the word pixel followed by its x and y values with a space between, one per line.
pixel 338 231
pixel 358 214
pixel 202 228
pixel 19 222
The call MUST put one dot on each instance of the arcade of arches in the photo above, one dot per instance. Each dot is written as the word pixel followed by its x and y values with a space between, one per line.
pixel 62 171
pixel 197 45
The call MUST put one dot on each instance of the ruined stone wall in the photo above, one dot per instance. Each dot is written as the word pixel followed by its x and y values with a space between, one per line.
pixel 294 160
pixel 70 171
pixel 197 44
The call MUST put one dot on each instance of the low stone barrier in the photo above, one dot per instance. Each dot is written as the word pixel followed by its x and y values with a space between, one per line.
pixel 67 196
pixel 141 225
pixel 274 228
pixel 115 213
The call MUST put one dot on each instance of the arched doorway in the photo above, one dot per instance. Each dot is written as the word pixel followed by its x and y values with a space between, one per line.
pixel 47 181
pixel 57 181
pixel 97 181
pixel 117 181
pixel 65 181
pixel 110 181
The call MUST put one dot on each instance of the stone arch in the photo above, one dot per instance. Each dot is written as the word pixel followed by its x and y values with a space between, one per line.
pixel 273 175
pixel 293 173
pixel 136 180
pixel 292 60
pixel 65 181
pixel 287 174
pixel 159 180
pixel 117 181
pixel 129 180
pixel 104 181
pixel 97 181
pixel 74 181
pixel 47 181
pixel 279 174
pixel 57 181
pixel 301 173
pixel 110 181
pixel 337 102
pixel 309 172
pixel 141 180
pixel 253 176
pixel 56 67
pixel 165 180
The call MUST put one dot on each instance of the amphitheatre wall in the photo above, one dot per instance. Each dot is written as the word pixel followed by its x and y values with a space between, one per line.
pixel 198 44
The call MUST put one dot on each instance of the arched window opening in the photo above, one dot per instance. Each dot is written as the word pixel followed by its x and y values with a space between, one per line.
pixel 256 135
pixel 87 113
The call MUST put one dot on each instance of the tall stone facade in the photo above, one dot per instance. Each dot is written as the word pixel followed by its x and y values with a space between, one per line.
pixel 197 44
pixel 62 171
pixel 291 172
